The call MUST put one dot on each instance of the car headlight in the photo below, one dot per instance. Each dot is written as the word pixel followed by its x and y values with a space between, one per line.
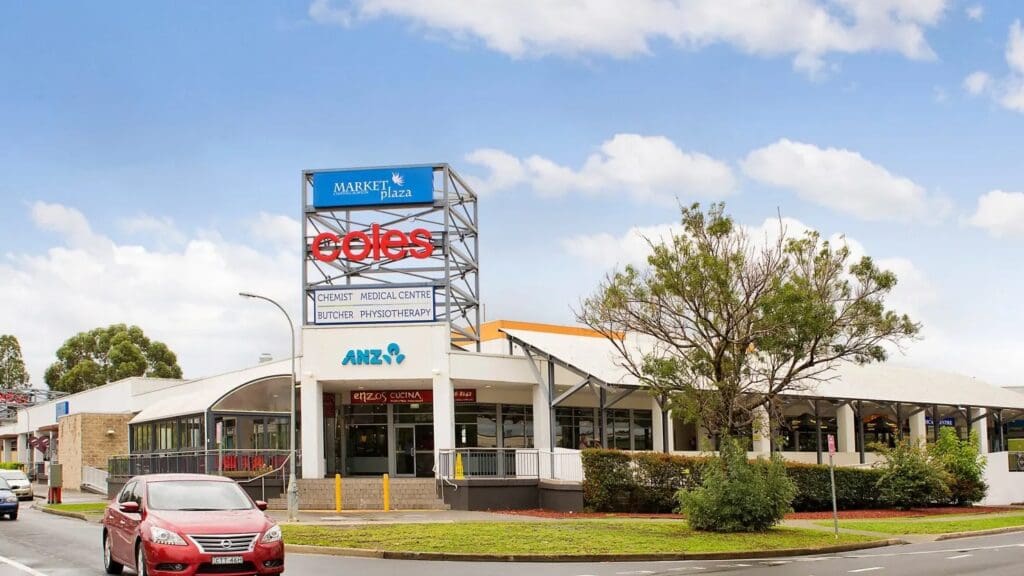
pixel 11 498
pixel 272 535
pixel 165 537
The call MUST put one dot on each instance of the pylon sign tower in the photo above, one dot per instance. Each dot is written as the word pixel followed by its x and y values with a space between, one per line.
pixel 394 244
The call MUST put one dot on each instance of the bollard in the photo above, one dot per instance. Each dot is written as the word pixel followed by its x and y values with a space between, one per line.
pixel 387 493
pixel 337 492
pixel 459 470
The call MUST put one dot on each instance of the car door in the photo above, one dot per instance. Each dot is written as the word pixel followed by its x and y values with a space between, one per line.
pixel 131 524
pixel 118 526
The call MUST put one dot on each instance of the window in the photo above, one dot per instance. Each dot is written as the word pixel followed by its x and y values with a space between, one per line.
pixel 575 428
pixel 799 433
pixel 126 493
pixel 629 429
pixel 476 425
pixel 517 426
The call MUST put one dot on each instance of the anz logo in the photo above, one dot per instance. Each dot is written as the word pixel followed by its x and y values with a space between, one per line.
pixel 374 356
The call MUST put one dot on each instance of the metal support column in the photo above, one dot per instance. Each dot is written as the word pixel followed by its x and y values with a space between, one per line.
pixel 664 423
pixel 603 416
pixel 899 421
pixel 554 421
pixel 817 428
pixel 935 422
pixel 860 429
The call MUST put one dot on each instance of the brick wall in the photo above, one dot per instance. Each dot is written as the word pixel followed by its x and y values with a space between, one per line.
pixel 84 442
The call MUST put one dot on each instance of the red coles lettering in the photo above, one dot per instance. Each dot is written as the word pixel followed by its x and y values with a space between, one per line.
pixel 374 243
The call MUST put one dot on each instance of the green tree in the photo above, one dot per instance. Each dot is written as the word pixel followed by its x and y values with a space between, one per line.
pixel 12 367
pixel 963 463
pixel 93 358
pixel 722 325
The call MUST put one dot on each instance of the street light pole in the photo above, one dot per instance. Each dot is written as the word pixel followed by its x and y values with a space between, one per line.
pixel 293 487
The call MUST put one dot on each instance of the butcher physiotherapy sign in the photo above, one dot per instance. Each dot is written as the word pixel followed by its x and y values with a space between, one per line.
pixel 373 187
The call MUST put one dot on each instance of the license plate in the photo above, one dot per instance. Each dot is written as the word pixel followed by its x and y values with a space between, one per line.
pixel 226 560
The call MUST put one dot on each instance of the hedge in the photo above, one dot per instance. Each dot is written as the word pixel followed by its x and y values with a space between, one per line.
pixel 11 466
pixel 647 482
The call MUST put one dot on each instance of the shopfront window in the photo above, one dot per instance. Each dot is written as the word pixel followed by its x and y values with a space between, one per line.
pixel 575 428
pixel 366 439
pixel 800 433
pixel 172 435
pixel 476 425
pixel 517 426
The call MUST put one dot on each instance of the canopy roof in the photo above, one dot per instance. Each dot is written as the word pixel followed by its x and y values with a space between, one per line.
pixel 886 382
pixel 198 396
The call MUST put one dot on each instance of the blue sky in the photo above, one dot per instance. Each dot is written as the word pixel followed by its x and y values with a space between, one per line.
pixel 147 143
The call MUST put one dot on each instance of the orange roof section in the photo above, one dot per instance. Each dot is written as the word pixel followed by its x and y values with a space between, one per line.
pixel 491 330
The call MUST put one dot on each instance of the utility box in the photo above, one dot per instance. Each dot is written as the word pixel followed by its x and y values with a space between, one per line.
pixel 55 479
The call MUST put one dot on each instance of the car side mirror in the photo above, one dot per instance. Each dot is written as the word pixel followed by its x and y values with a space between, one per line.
pixel 261 504
pixel 129 507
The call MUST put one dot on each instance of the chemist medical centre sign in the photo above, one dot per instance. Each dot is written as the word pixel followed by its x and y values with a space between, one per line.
pixel 373 305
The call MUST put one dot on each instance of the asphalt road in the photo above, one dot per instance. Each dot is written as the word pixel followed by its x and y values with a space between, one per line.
pixel 43 545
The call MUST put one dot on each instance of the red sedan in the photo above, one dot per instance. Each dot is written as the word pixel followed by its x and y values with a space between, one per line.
pixel 185 524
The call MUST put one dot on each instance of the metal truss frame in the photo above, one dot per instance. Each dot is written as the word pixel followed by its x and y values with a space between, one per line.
pixel 453 269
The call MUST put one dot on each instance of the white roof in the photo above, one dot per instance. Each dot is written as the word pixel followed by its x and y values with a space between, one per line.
pixel 884 382
pixel 196 396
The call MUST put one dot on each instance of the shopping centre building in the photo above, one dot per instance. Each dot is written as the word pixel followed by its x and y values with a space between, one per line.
pixel 398 375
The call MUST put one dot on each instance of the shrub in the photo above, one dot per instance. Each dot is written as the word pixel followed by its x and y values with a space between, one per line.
pixel 11 466
pixel 910 478
pixel 658 477
pixel 855 487
pixel 737 495
pixel 608 482
pixel 964 466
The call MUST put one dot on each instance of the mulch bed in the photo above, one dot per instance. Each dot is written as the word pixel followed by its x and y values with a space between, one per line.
pixel 843 514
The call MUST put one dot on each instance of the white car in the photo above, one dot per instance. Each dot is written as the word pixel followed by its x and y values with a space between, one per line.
pixel 19 483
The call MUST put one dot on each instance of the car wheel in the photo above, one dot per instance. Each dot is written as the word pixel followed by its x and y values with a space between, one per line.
pixel 140 561
pixel 109 564
pixel 14 515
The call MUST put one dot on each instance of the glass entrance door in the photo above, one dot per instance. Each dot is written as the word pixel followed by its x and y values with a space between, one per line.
pixel 414 450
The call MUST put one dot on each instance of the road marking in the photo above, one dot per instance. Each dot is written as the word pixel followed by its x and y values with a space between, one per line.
pixel 636 572
pixel 19 566
pixel 873 568
pixel 959 557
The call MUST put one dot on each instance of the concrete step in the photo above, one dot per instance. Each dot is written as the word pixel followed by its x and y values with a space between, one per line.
pixel 365 494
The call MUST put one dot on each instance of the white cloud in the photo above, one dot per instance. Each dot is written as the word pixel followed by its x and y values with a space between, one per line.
pixel 807 30
pixel 842 180
pixel 1000 213
pixel 1009 90
pixel 185 296
pixel 648 168
pixel 977 82
pixel 975 12
pixel 162 230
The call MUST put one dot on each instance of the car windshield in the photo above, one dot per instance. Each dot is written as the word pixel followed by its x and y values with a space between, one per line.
pixel 4 485
pixel 13 475
pixel 197 495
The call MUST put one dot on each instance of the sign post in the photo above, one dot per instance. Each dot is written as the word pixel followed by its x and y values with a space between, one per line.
pixel 832 476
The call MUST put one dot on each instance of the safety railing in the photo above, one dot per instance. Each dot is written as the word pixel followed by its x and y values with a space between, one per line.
pixel 462 463
pixel 94 478
pixel 238 464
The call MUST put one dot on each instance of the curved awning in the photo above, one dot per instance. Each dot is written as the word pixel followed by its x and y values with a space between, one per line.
pixel 198 396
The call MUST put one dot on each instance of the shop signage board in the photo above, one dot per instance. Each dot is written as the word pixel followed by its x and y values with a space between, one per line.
pixel 63 408
pixel 373 305
pixel 373 187
pixel 407 396
pixel 942 422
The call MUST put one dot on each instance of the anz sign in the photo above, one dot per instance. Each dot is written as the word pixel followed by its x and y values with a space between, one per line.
pixel 374 356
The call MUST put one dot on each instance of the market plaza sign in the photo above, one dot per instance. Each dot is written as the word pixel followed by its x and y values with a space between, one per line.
pixel 373 187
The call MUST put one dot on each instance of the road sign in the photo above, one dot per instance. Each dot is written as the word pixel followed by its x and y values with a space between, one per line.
pixel 831 445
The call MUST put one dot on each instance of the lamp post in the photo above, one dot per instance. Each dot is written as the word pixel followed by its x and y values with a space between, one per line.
pixel 293 487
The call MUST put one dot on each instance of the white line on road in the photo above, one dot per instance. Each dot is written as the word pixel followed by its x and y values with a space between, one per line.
pixel 19 566
pixel 959 557
pixel 636 572
pixel 873 568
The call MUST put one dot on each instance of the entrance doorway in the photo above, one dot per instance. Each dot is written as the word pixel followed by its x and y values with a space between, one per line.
pixel 414 450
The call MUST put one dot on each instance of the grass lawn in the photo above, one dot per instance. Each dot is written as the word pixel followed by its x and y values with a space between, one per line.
pixel 82 507
pixel 566 537
pixel 935 525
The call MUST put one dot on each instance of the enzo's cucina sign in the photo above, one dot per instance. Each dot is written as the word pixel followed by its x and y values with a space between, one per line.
pixel 373 187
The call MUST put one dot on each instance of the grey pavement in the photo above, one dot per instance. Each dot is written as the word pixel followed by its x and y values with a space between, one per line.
pixel 55 546
pixel 67 496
